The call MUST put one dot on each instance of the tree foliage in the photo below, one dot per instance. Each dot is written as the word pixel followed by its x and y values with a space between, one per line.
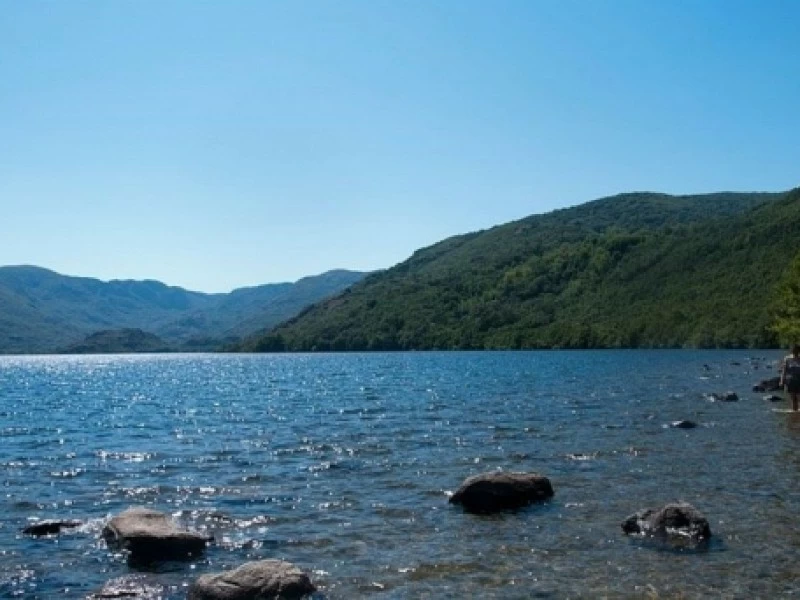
pixel 787 305
pixel 636 270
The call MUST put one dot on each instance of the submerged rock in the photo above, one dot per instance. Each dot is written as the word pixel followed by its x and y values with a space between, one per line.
pixel 260 580
pixel 726 397
pixel 683 424
pixel 768 385
pixel 134 587
pixel 150 535
pixel 50 527
pixel 678 519
pixel 498 490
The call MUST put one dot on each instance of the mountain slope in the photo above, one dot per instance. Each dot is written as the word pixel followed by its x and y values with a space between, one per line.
pixel 628 271
pixel 247 310
pixel 43 311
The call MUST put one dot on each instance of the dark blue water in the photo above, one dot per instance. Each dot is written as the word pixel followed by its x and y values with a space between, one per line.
pixel 342 464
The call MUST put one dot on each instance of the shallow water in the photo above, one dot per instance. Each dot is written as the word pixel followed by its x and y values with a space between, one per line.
pixel 342 464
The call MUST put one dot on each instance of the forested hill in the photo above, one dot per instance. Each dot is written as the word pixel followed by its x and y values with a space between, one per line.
pixel 634 270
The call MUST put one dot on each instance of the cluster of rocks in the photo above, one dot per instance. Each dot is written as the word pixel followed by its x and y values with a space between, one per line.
pixel 497 491
pixel 772 384
pixel 148 536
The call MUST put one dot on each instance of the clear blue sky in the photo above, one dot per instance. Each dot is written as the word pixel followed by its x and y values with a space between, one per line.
pixel 219 144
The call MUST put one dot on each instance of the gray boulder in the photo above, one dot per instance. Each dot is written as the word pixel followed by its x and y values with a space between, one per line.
pixel 680 520
pixel 498 490
pixel 50 527
pixel 261 580
pixel 150 535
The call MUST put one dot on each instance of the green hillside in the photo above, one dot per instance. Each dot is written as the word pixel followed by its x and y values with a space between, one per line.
pixel 635 270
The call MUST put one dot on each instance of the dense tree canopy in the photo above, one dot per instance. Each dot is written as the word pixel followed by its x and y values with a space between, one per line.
pixel 787 305
pixel 637 270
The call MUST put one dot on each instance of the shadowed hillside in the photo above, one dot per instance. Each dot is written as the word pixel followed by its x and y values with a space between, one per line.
pixel 43 311
pixel 118 341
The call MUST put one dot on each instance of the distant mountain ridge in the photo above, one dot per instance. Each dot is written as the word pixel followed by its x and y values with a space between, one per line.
pixel 628 271
pixel 44 311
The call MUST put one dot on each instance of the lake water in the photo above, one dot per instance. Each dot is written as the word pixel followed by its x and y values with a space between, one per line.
pixel 342 464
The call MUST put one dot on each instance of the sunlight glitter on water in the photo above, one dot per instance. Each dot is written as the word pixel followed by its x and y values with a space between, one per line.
pixel 342 464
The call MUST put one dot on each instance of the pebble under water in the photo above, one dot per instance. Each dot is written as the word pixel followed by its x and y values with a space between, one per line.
pixel 342 464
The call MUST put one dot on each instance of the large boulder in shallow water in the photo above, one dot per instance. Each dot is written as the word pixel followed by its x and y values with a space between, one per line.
pixel 150 535
pixel 672 520
pixel 495 491
pixel 261 580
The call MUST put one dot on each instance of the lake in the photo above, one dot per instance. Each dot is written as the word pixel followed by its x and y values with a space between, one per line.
pixel 342 464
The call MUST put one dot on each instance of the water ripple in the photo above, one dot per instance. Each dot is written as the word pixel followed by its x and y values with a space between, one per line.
pixel 343 464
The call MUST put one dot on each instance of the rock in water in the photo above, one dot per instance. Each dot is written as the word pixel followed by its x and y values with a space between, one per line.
pixel 51 527
pixel 726 397
pixel 130 587
pixel 678 519
pixel 768 385
pixel 150 535
pixel 495 491
pixel 261 580
pixel 683 424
